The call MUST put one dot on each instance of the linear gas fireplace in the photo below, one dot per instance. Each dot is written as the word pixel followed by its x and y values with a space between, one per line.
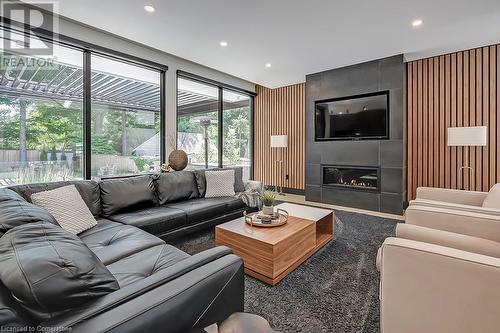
pixel 356 178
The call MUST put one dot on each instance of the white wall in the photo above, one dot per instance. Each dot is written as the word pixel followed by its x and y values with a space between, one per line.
pixel 88 34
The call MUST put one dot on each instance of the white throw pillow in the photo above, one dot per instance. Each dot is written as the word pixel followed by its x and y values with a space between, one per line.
pixel 68 208
pixel 220 183
pixel 493 198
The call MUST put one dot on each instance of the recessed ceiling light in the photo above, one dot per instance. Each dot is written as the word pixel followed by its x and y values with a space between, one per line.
pixel 149 8
pixel 268 65
pixel 417 23
pixel 223 43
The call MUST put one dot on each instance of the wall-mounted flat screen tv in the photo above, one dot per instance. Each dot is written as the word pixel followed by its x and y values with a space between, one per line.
pixel 353 118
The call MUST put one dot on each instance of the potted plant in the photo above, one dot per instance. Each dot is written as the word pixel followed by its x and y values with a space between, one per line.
pixel 268 198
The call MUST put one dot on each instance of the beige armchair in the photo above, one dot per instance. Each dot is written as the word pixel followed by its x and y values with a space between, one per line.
pixel 471 201
pixel 465 212
pixel 438 281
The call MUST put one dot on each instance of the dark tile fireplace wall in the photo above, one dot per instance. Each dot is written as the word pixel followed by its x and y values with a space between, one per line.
pixel 389 156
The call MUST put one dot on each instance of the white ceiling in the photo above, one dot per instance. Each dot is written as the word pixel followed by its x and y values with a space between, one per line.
pixel 297 37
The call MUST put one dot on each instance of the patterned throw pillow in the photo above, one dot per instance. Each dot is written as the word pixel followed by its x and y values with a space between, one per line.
pixel 68 208
pixel 220 183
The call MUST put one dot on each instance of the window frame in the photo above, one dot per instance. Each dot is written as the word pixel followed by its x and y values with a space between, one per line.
pixel 221 87
pixel 88 50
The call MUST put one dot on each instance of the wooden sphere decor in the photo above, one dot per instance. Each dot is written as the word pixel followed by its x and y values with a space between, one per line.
pixel 178 160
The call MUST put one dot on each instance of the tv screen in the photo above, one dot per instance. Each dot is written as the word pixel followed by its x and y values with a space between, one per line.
pixel 353 118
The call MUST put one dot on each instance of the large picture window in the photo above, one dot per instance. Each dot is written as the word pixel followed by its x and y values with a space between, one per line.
pixel 41 136
pixel 236 138
pixel 198 123
pixel 46 106
pixel 125 118
pixel 214 125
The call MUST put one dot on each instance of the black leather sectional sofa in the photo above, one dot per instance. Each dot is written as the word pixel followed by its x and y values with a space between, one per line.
pixel 161 289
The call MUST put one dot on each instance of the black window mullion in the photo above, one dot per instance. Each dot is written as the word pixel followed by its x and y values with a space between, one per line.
pixel 251 136
pixel 87 106
pixel 162 117
pixel 221 127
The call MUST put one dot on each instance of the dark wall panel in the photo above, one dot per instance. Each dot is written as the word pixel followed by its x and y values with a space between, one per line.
pixel 386 74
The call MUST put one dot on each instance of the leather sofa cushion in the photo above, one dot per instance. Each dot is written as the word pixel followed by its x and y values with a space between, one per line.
pixel 234 203
pixel 142 264
pixel 201 182
pixel 176 186
pixel 15 211
pixel 12 316
pixel 202 209
pixel 120 193
pixel 112 241
pixel 89 190
pixel 155 220
pixel 50 270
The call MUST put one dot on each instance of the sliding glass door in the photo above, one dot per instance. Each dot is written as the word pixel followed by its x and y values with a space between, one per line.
pixel 214 125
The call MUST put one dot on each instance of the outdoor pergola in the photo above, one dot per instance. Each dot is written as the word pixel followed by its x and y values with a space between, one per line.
pixel 64 82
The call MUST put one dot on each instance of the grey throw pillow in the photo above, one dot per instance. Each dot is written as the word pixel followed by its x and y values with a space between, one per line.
pixel 220 183
pixel 68 208
pixel 239 185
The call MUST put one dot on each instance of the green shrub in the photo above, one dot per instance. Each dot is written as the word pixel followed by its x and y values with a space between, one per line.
pixel 139 162
pixel 53 154
pixel 102 146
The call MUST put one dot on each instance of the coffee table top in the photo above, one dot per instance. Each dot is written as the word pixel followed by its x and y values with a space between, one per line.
pixel 300 217
pixel 304 212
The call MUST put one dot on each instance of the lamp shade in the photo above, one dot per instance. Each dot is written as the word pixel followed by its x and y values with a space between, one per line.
pixel 468 136
pixel 279 141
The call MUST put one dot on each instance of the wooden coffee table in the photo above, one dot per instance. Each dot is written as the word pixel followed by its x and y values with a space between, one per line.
pixel 269 254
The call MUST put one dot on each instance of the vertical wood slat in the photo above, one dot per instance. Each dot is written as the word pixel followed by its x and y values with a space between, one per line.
pixel 414 149
pixel 453 118
pixel 493 117
pixel 425 122
pixel 457 89
pixel 479 117
pixel 472 109
pixel 280 111
pixel 410 127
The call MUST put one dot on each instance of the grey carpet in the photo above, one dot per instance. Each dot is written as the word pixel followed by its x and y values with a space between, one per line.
pixel 336 290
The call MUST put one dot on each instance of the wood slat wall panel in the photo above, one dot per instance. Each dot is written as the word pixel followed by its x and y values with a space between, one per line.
pixel 457 89
pixel 280 111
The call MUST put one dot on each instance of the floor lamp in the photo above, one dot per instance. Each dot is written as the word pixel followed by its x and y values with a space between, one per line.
pixel 467 137
pixel 280 142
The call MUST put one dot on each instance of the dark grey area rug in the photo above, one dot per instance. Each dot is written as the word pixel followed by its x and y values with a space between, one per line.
pixel 336 290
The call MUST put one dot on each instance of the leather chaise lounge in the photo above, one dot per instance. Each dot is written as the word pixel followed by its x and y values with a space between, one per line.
pixel 161 288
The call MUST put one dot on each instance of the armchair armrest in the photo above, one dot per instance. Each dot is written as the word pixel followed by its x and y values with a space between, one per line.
pixel 431 288
pixel 472 198
pixel 466 223
pixel 451 205
pixel 448 239
pixel 190 295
